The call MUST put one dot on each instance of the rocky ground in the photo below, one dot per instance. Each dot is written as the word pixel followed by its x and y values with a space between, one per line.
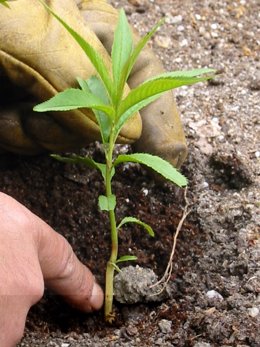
pixel 215 283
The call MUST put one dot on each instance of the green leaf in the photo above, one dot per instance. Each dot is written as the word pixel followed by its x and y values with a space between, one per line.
pixel 97 88
pixel 133 57
pixel 158 164
pixel 207 72
pixel 137 221
pixel 76 159
pixel 126 258
pixel 4 3
pixel 131 111
pixel 71 99
pixel 162 83
pixel 125 74
pixel 91 53
pixel 121 49
pixel 83 85
pixel 107 203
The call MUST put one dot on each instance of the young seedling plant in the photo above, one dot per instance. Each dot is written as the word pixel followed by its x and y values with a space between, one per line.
pixel 104 95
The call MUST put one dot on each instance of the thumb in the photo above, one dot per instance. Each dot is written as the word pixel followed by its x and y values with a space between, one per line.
pixel 64 273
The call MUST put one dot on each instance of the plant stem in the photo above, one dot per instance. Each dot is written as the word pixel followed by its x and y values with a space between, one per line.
pixel 109 291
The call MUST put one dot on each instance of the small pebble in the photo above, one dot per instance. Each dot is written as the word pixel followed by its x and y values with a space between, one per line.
pixel 253 312
pixel 204 185
pixel 202 30
pixel 184 43
pixel 164 42
pixel 145 191
pixel 213 294
pixel 254 84
pixel 173 20
pixel 214 34
pixel 165 326
pixel 214 26
pixel 180 28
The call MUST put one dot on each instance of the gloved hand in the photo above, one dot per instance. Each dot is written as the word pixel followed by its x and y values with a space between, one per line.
pixel 41 58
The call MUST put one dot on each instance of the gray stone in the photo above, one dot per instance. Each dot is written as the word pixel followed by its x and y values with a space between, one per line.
pixel 134 284
pixel 213 294
pixel 253 311
pixel 165 326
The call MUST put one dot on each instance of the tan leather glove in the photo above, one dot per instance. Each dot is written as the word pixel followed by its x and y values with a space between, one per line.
pixel 41 58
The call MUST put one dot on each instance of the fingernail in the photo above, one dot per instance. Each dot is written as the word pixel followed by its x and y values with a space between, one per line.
pixel 97 297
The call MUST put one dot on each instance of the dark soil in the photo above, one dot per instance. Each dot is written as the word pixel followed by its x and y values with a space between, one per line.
pixel 65 196
pixel 215 279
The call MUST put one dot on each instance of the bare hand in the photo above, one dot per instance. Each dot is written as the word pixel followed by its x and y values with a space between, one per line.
pixel 32 253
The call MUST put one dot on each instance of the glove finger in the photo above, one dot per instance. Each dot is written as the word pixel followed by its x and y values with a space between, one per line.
pixel 23 131
pixel 50 134
pixel 12 135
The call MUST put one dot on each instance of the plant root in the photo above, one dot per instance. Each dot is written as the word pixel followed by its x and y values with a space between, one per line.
pixel 168 271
